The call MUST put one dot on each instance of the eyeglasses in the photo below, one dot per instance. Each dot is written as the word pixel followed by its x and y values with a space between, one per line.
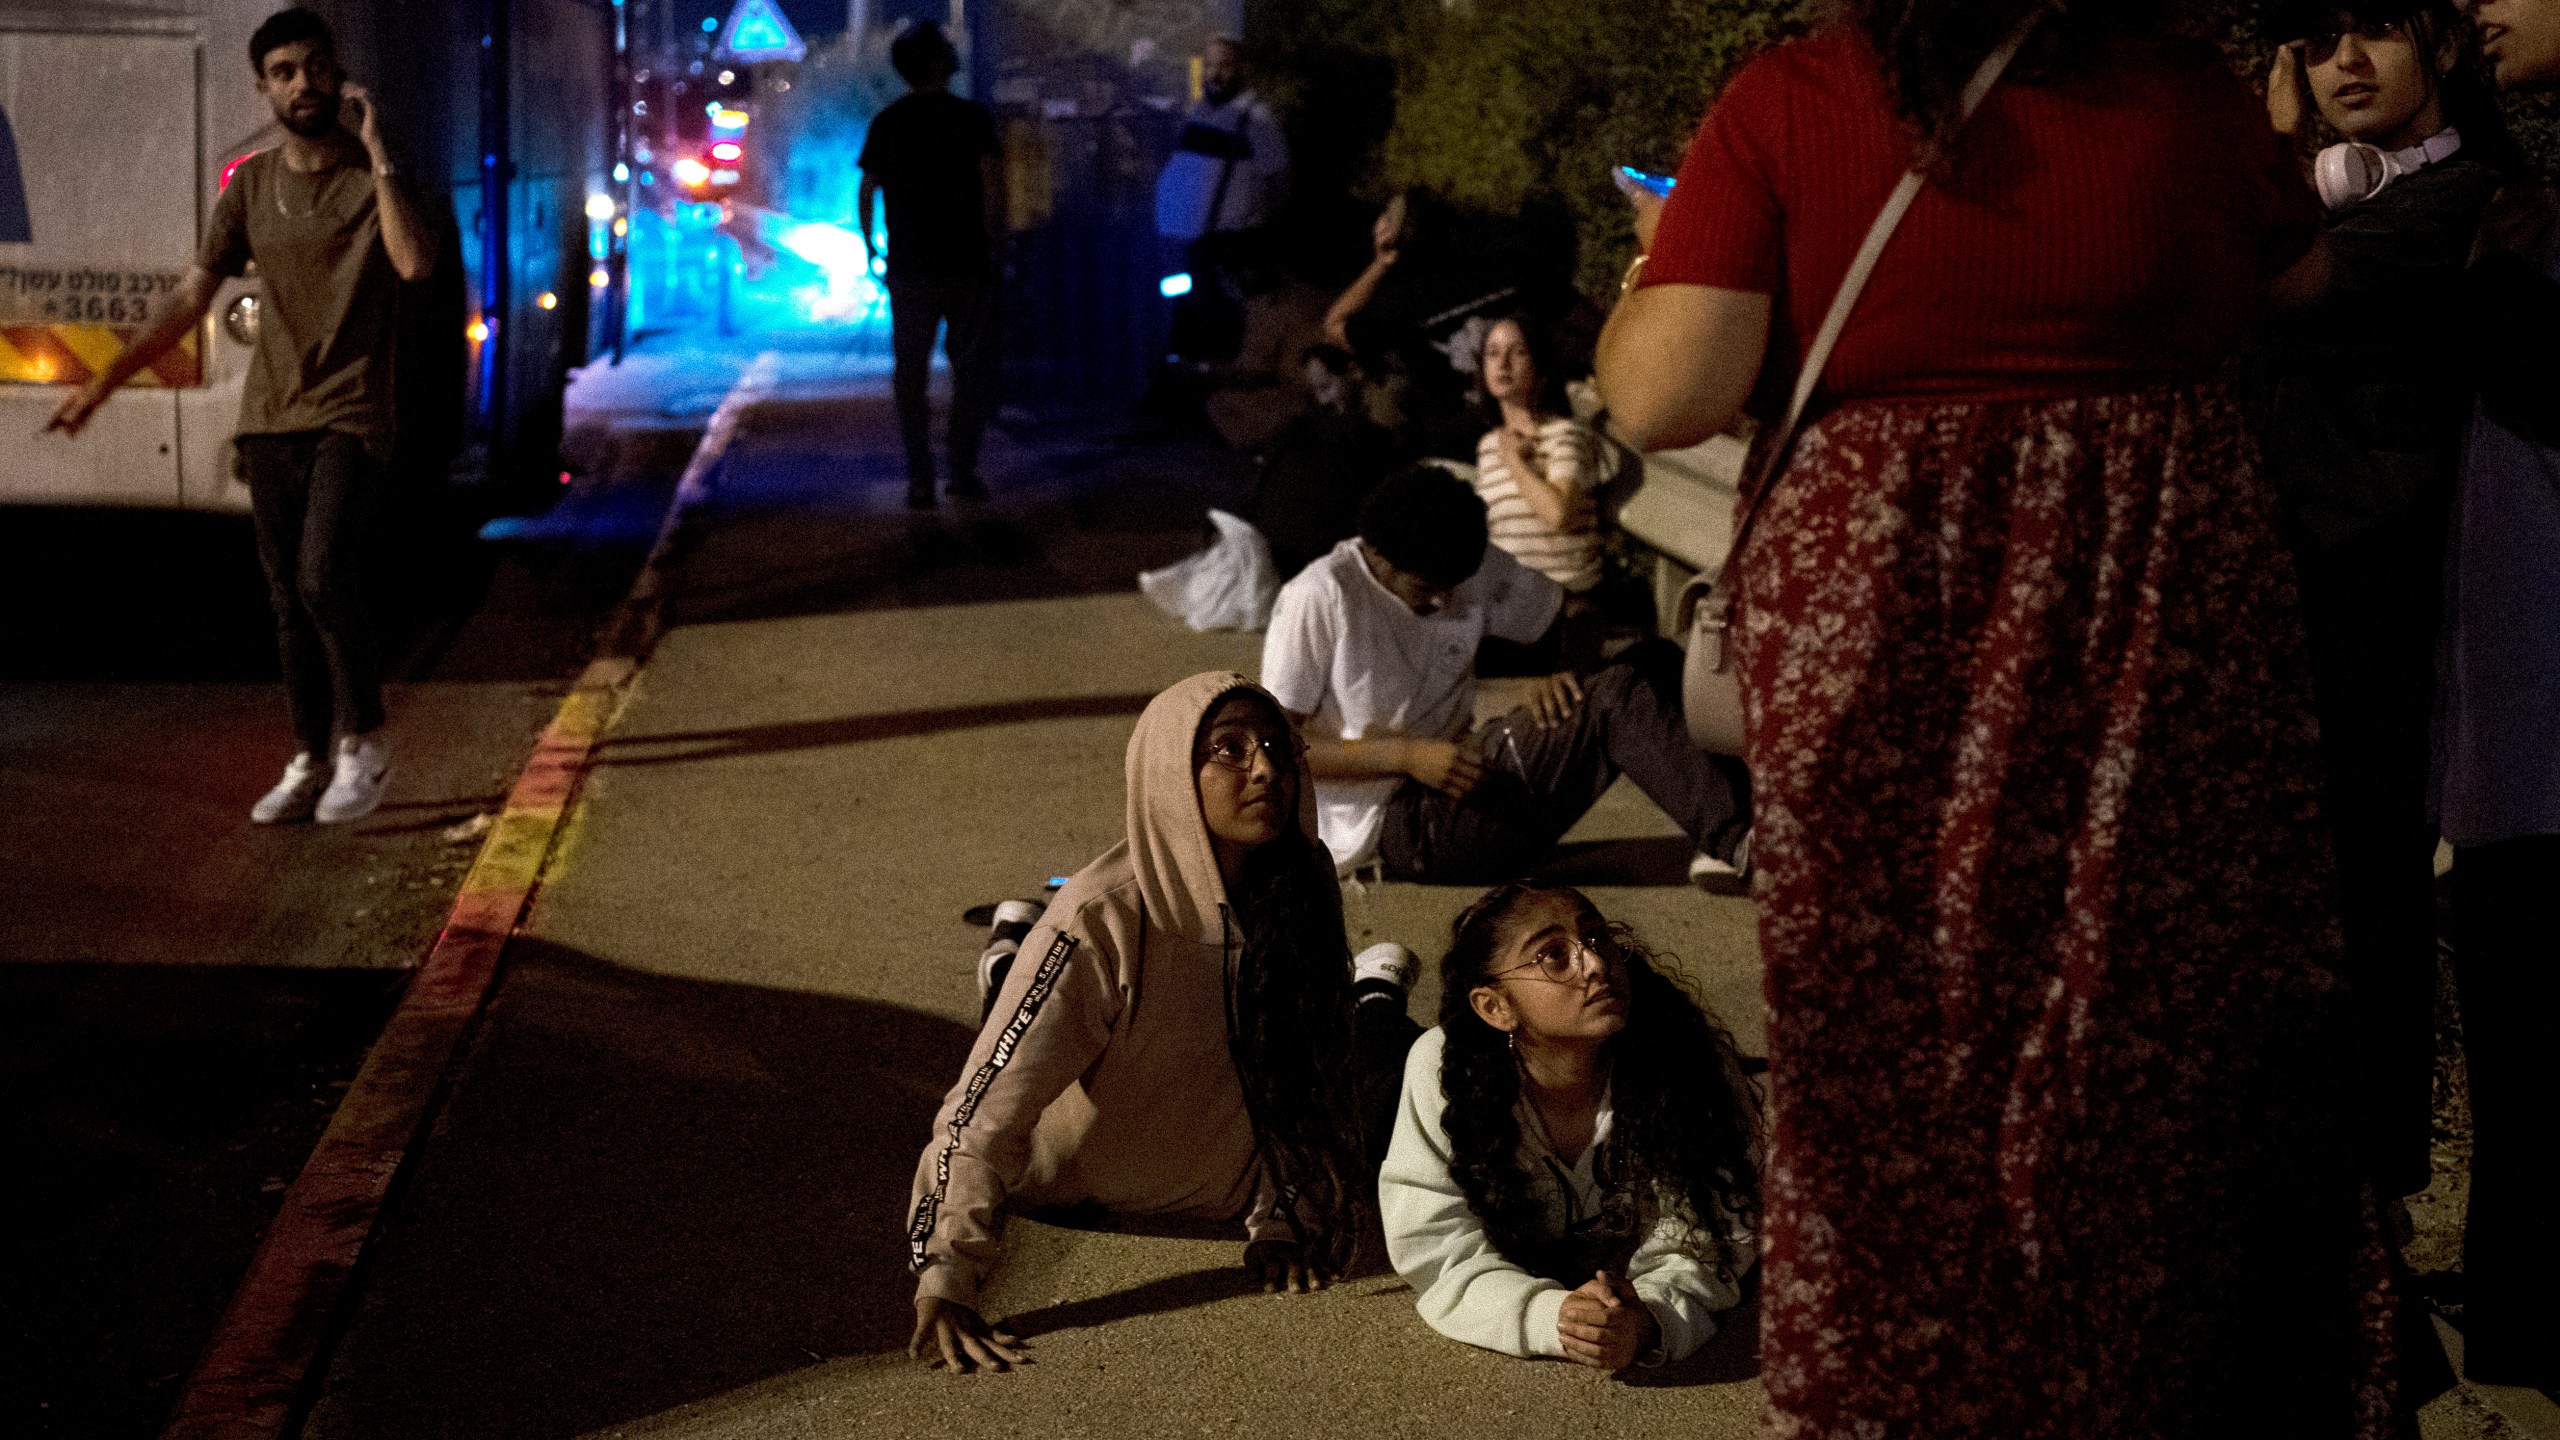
pixel 2321 47
pixel 1236 752
pixel 1558 959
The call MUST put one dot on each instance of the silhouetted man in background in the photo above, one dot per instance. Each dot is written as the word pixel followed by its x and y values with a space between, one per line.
pixel 935 156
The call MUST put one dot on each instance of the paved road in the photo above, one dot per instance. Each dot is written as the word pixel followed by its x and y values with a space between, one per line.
pixel 183 995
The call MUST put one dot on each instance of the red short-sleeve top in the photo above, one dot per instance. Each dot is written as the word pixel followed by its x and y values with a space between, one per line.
pixel 2105 229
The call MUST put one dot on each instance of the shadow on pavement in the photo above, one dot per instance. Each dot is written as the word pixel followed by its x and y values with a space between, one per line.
pixel 807 516
pixel 1173 1292
pixel 153 1115
pixel 1733 1355
pixel 856 729
pixel 643 1191
pixel 1646 860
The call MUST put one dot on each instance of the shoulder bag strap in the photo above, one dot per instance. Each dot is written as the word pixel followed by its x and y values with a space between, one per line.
pixel 1773 460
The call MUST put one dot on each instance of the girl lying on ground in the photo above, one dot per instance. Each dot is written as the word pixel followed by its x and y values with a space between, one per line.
pixel 1176 1036
pixel 1572 1172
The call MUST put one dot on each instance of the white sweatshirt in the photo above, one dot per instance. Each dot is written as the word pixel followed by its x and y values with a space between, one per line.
pixel 1467 1290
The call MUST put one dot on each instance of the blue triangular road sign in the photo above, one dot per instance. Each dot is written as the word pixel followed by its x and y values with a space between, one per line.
pixel 757 30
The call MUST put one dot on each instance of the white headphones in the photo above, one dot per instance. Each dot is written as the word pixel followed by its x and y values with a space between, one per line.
pixel 2354 171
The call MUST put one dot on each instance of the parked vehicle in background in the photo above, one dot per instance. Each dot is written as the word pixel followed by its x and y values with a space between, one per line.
pixel 120 121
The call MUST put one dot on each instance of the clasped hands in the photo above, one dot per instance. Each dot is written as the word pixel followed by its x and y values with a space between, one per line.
pixel 1603 1324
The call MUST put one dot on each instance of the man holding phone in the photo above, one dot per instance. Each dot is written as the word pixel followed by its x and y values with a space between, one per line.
pixel 332 234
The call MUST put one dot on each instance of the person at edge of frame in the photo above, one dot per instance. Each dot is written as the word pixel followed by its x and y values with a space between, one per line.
pixel 2497 781
pixel 2352 387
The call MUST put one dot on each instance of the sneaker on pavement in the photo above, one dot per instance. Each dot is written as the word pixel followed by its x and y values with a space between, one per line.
pixel 1385 968
pixel 1718 877
pixel 920 495
pixel 1013 921
pixel 966 487
pixel 356 785
pixel 295 794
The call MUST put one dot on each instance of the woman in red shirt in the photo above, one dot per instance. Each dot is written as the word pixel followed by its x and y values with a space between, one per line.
pixel 2048 962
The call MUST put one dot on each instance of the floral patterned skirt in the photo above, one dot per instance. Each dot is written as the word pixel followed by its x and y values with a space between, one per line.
pixel 2049 956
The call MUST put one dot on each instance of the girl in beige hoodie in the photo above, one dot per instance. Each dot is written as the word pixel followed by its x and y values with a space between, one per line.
pixel 1175 1035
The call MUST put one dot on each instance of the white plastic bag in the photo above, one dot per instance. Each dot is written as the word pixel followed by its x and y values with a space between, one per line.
pixel 1228 586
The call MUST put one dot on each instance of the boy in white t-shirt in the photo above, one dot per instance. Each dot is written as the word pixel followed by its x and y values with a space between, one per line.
pixel 1372 650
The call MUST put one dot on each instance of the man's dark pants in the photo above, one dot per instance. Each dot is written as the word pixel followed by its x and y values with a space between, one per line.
pixel 963 307
pixel 2506 958
pixel 312 495
pixel 2370 608
pixel 1540 779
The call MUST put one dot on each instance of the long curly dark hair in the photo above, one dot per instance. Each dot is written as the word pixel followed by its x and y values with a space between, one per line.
pixel 1929 49
pixel 1288 990
pixel 1687 1118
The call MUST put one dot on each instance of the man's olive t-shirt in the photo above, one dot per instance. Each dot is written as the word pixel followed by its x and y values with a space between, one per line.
pixel 325 329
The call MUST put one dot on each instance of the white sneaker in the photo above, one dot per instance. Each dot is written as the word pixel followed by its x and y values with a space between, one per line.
pixel 355 787
pixel 294 795
pixel 1388 963
pixel 1014 919
pixel 1718 878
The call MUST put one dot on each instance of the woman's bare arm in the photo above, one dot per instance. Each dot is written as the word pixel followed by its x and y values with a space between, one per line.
pixel 1676 362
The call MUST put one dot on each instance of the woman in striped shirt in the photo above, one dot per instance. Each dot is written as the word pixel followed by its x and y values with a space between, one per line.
pixel 1538 469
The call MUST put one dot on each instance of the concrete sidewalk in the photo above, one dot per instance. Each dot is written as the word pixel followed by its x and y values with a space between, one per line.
pixel 666 1193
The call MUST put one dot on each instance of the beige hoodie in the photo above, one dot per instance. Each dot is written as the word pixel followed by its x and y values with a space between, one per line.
pixel 1102 1073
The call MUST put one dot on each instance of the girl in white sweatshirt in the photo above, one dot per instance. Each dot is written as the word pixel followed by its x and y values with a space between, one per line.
pixel 1573 1167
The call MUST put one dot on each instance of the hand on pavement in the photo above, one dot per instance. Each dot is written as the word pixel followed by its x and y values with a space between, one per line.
pixel 1280 1266
pixel 961 1340
pixel 1555 699
pixel 76 408
pixel 1444 765
pixel 1603 1324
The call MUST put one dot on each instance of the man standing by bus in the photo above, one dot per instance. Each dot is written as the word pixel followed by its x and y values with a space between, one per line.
pixel 332 233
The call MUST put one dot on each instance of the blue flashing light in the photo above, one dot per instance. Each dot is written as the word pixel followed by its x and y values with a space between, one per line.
pixel 1175 286
pixel 621 173
pixel 758 32
pixel 648 177
pixel 710 23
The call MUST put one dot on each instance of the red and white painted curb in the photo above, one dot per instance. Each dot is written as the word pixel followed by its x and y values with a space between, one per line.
pixel 255 1377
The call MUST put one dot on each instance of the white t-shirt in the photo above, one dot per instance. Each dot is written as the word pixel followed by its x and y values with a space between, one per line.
pixel 1365 667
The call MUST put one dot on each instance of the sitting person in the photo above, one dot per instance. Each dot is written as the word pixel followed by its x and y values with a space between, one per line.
pixel 1321 466
pixel 1372 649
pixel 1539 472
pixel 1573 1171
pixel 1178 1034
pixel 1538 469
